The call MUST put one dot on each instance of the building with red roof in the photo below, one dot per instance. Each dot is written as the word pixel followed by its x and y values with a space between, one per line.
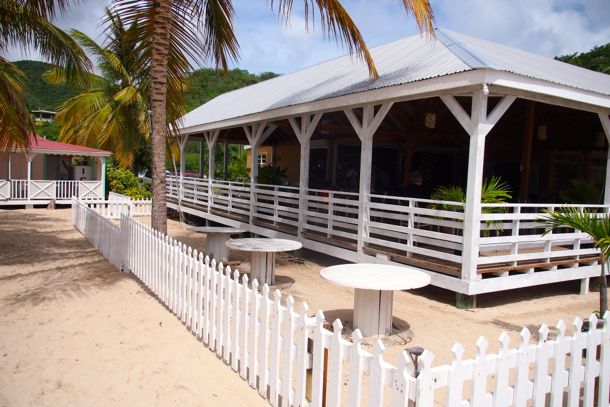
pixel 51 171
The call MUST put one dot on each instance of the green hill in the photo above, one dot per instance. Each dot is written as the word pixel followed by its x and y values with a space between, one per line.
pixel 598 59
pixel 206 84
pixel 41 95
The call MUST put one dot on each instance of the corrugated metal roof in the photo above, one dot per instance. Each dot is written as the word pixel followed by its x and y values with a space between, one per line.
pixel 400 62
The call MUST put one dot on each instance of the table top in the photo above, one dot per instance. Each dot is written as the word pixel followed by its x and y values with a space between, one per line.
pixel 371 276
pixel 215 229
pixel 263 245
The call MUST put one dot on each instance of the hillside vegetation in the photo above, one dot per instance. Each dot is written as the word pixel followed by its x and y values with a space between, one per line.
pixel 41 95
pixel 208 83
pixel 598 59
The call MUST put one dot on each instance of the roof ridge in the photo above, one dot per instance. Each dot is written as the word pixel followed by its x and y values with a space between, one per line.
pixel 461 50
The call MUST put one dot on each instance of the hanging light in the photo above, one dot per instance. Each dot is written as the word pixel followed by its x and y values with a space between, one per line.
pixel 600 139
pixel 430 120
pixel 541 132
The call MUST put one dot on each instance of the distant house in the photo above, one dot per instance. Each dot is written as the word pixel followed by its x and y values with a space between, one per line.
pixel 452 112
pixel 51 171
pixel 43 116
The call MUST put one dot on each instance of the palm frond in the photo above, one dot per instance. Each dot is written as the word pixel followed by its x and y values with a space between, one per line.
pixel 15 120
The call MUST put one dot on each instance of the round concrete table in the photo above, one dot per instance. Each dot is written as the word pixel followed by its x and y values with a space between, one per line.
pixel 262 265
pixel 375 285
pixel 217 237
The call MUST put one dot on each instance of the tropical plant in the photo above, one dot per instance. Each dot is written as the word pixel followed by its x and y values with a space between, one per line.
pixel 597 226
pixel 271 175
pixel 26 23
pixel 493 191
pixel 582 192
pixel 204 30
pixel 124 182
pixel 111 113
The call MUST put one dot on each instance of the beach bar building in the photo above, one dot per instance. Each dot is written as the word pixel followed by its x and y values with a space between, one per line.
pixel 451 111
pixel 51 171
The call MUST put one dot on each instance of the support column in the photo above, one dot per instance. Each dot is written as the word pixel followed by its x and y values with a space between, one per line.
pixel 478 124
pixel 365 129
pixel 605 120
pixel 256 135
pixel 9 166
pixel 29 157
pixel 210 139
pixel 182 140
pixel 304 129
pixel 526 159
pixel 225 160
pixel 201 159
pixel 103 176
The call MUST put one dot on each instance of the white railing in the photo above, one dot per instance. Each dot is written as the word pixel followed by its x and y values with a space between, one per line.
pixel 512 235
pixel 33 190
pixel 274 345
pixel 115 209
pixel 115 196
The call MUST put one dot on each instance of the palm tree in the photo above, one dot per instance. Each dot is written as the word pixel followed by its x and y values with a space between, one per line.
pixel 597 226
pixel 26 23
pixel 112 113
pixel 204 30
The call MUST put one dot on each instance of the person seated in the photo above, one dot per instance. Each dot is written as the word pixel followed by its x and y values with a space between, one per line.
pixel 416 188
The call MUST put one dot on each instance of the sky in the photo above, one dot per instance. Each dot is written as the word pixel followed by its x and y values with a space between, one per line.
pixel 545 27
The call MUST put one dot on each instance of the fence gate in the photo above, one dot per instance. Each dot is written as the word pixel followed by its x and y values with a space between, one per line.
pixel 5 190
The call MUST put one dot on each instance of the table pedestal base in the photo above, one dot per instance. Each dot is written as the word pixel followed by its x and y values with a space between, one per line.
pixel 262 267
pixel 373 311
pixel 217 246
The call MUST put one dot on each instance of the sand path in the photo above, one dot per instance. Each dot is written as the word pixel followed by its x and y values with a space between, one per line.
pixel 74 331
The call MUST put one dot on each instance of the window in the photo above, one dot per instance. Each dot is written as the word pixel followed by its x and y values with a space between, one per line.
pixel 262 159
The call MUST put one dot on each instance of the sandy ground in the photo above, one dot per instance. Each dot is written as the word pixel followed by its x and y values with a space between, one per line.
pixel 425 317
pixel 75 332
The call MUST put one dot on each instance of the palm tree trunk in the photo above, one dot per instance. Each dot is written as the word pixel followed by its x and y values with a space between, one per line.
pixel 603 289
pixel 158 73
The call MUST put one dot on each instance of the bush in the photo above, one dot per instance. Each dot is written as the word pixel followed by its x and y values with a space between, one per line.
pixel 125 182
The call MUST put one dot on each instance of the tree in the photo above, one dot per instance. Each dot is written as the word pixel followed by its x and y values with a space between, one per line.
pixel 112 113
pixel 26 23
pixel 597 226
pixel 204 29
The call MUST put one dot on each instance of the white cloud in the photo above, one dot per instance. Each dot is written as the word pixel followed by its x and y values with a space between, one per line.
pixel 546 27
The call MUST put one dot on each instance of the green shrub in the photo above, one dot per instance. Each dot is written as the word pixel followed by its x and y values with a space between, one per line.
pixel 123 181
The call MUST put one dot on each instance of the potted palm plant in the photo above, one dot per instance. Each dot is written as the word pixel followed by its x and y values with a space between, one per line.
pixel 494 190
pixel 597 226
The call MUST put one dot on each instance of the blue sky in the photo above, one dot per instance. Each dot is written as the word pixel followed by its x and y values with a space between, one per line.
pixel 546 27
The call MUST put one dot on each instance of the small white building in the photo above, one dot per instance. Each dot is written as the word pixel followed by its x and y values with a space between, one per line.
pixel 51 171
pixel 456 110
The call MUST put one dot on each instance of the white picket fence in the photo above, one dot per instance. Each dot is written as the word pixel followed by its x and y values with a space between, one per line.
pixel 275 345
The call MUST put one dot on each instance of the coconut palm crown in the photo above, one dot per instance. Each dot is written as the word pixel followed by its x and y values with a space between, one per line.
pixel 204 31
pixel 23 24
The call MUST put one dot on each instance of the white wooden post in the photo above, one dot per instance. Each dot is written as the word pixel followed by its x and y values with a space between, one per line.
pixel 182 140
pixel 29 157
pixel 365 129
pixel 103 176
pixel 9 165
pixel 478 124
pixel 201 158
pixel 605 119
pixel 256 135
pixel 304 130
pixel 210 138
